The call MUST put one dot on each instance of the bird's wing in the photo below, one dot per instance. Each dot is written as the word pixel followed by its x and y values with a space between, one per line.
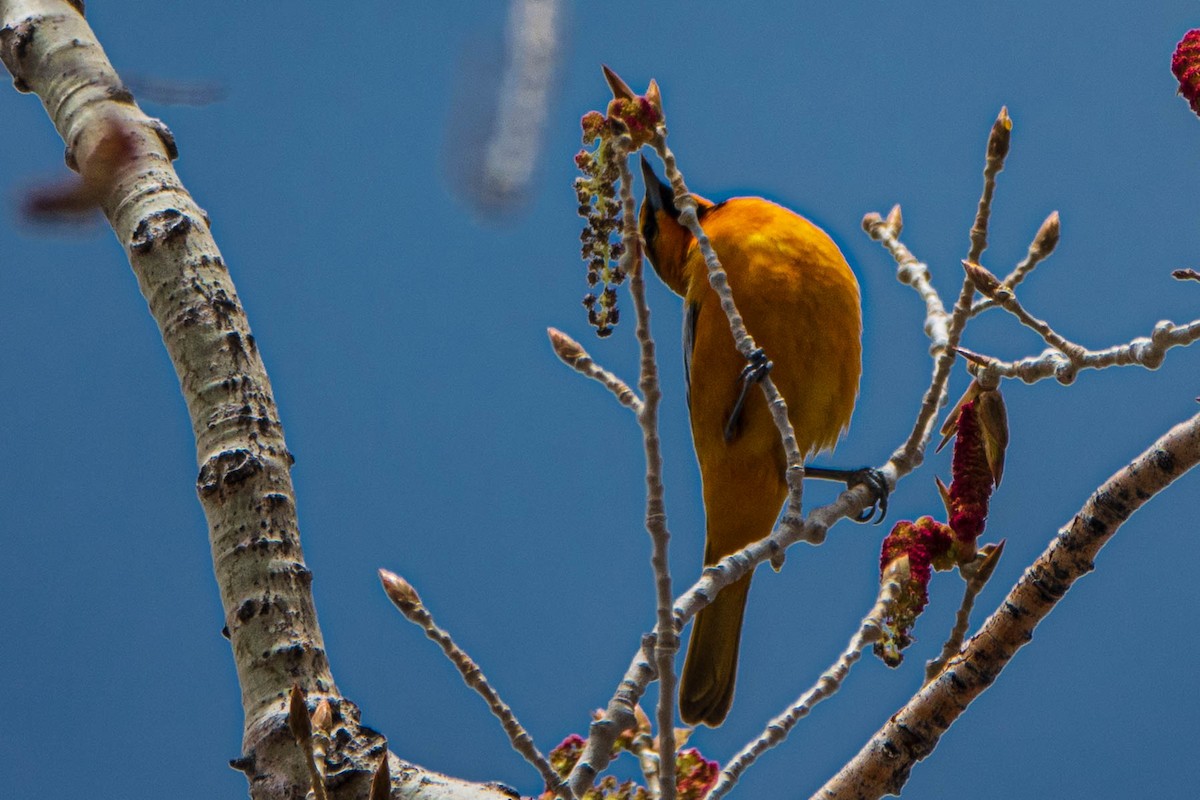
pixel 690 312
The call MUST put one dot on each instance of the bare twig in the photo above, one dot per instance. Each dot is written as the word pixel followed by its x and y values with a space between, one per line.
pixel 827 685
pixel 977 576
pixel 990 287
pixel 1043 244
pixel 571 353
pixel 619 714
pixel 1065 358
pixel 884 763
pixel 997 151
pixel 912 452
pixel 406 599
pixel 644 747
pixel 667 644
pixel 911 272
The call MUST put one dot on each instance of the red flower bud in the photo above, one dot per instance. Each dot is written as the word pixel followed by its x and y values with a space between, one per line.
pixel 1186 66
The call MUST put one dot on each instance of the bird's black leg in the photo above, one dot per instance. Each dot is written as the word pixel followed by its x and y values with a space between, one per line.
pixel 757 367
pixel 865 476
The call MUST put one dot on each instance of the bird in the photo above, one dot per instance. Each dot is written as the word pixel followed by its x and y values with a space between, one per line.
pixel 800 302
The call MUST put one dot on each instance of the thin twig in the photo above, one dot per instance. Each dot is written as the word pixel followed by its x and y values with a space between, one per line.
pixel 1040 248
pixel 885 762
pixel 1065 358
pixel 912 452
pixel 667 644
pixel 827 685
pixel 571 353
pixel 977 575
pixel 405 598
pixel 642 745
pixel 997 151
pixel 990 287
pixel 911 272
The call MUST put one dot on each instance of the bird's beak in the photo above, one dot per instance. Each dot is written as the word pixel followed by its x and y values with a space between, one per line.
pixel 659 195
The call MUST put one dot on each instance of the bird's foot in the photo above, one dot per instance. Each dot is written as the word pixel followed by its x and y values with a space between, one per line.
pixel 757 367
pixel 869 477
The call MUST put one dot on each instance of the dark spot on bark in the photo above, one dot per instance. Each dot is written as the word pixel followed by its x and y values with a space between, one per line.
pixel 119 94
pixel 225 631
pixel 227 469
pixel 160 227
pixel 14 42
pixel 502 787
pixel 223 304
pixel 243 764
pixel 247 610
pixel 234 340
pixel 276 500
pixel 1091 524
pixel 293 651
pixel 1113 502
pixel 1165 461
pixel 166 137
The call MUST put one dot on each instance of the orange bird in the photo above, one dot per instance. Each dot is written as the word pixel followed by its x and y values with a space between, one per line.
pixel 800 302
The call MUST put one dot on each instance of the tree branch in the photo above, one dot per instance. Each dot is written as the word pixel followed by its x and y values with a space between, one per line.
pixel 124 158
pixel 883 765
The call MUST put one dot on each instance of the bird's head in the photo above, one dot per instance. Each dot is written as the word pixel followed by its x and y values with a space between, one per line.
pixel 667 241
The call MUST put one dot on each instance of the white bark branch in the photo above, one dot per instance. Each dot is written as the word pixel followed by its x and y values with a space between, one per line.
pixel 244 484
pixel 883 765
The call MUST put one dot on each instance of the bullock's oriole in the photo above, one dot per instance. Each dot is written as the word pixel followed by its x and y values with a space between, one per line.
pixel 800 302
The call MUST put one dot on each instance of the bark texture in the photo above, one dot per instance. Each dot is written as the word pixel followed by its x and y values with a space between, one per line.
pixel 244 484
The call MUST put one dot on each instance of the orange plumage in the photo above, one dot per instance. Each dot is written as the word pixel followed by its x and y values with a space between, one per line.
pixel 800 301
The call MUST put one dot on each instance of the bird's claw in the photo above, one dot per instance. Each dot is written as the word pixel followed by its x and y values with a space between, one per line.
pixel 757 367
pixel 878 487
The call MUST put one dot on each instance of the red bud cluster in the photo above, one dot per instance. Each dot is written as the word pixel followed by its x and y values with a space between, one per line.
pixel 1185 63
pixel 980 427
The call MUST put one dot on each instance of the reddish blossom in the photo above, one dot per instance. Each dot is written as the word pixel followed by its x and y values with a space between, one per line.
pixel 1185 63
pixel 694 774
pixel 971 488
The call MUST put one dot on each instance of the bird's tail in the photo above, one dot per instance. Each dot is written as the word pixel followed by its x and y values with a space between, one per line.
pixel 709 671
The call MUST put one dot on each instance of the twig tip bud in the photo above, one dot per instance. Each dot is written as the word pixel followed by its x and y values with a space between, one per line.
pixel 381 782
pixel 399 591
pixel 620 88
pixel 299 723
pixel 566 348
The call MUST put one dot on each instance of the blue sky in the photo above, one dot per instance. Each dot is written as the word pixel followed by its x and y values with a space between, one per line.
pixel 437 436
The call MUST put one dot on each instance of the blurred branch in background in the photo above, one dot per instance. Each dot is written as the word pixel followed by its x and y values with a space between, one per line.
pixel 495 136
